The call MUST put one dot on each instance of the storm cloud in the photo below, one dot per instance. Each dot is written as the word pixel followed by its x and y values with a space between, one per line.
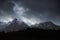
pixel 37 10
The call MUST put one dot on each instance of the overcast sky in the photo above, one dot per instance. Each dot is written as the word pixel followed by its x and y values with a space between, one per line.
pixel 30 11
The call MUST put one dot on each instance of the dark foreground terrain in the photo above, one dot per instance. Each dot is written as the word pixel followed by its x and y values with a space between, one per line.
pixel 29 34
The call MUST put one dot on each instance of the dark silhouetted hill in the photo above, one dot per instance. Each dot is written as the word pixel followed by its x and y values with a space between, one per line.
pixel 29 34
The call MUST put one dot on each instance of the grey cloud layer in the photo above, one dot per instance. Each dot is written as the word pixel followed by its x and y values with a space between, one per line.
pixel 44 10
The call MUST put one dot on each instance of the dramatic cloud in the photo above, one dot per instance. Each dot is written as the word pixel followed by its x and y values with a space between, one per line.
pixel 21 13
pixel 30 11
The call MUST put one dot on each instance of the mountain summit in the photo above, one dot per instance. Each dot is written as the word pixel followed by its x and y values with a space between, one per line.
pixel 16 25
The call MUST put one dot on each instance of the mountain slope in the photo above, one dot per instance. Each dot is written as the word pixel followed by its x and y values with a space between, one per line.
pixel 15 25
pixel 2 25
pixel 47 25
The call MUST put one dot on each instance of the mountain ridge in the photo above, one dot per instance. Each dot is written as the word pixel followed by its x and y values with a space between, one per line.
pixel 16 25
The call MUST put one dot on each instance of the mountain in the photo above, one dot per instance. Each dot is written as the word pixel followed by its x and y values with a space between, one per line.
pixel 15 25
pixel 2 25
pixel 47 25
pixel 15 30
